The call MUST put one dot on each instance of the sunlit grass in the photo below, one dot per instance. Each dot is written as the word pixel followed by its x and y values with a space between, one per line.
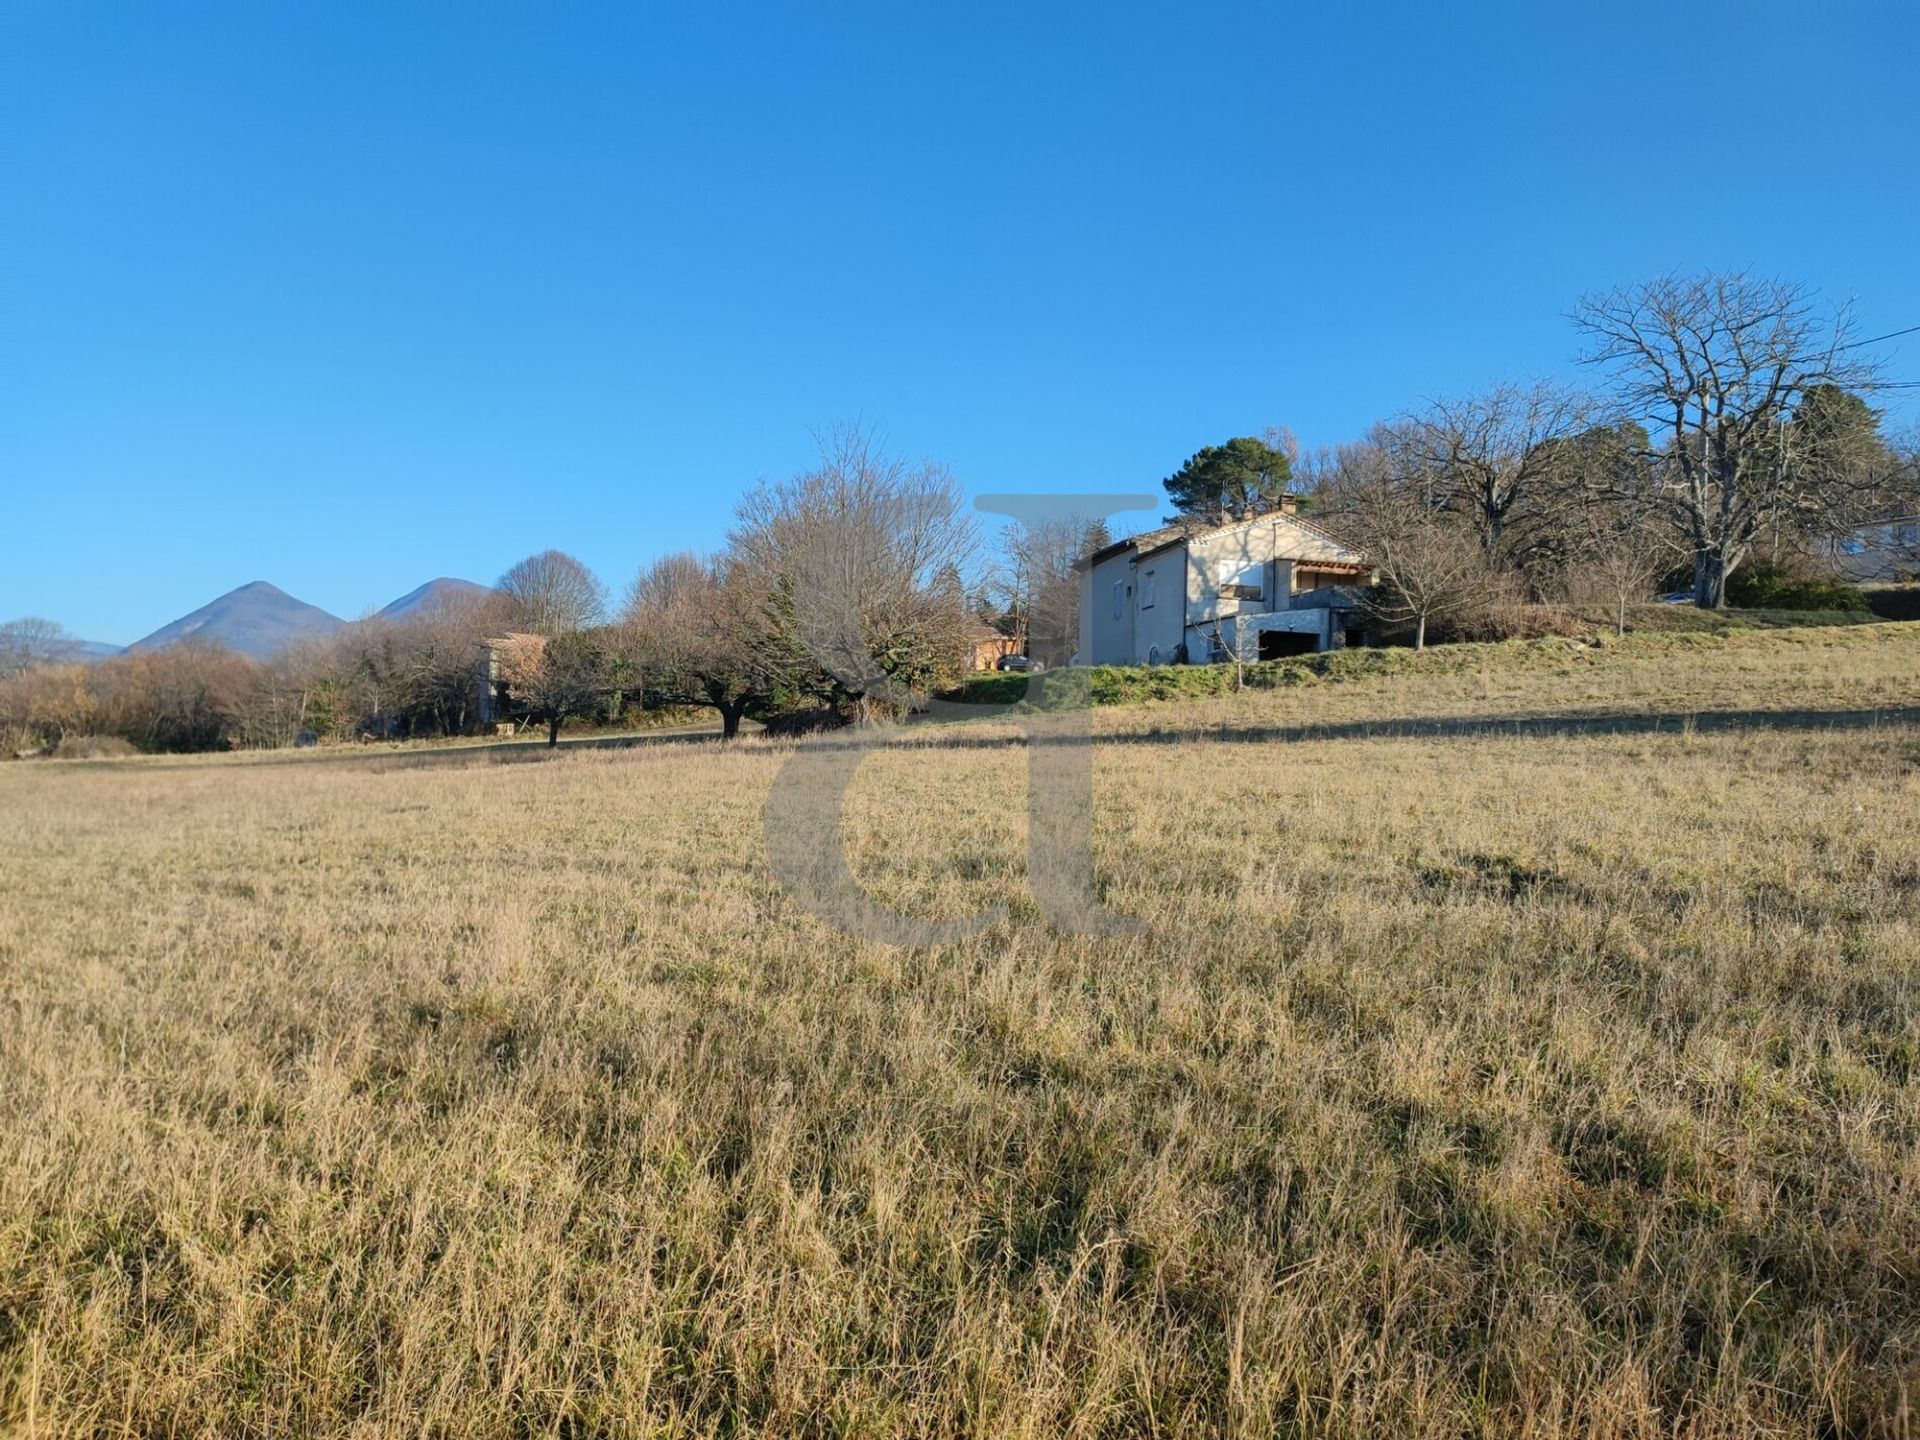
pixel 1522 1042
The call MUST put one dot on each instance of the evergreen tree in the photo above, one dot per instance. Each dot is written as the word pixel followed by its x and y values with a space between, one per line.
pixel 1234 481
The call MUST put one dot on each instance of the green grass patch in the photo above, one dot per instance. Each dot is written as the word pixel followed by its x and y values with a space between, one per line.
pixel 1651 628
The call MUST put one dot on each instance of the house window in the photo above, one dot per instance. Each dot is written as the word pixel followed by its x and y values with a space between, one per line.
pixel 1242 582
pixel 1119 599
pixel 1146 591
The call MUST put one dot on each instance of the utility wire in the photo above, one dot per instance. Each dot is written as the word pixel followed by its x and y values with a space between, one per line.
pixel 1876 339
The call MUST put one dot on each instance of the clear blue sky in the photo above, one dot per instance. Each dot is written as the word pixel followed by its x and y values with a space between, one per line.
pixel 346 296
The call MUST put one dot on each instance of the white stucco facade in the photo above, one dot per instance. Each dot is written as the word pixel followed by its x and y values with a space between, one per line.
pixel 1187 594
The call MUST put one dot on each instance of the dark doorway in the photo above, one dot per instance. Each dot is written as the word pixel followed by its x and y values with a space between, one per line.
pixel 1279 644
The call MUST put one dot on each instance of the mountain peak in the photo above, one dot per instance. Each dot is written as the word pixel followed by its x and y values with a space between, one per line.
pixel 431 596
pixel 258 619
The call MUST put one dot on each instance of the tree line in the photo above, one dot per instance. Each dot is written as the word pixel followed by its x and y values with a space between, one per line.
pixel 1727 447
pixel 838 597
pixel 1728 440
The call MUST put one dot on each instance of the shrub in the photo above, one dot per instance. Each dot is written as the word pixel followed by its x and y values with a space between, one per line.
pixel 1512 620
pixel 808 720
pixel 1687 620
pixel 183 697
pixel 1768 585
pixel 44 705
pixel 93 747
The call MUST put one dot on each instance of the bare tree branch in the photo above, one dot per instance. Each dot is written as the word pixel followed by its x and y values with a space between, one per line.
pixel 1717 365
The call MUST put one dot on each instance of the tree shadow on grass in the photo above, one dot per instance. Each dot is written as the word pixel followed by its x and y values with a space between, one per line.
pixel 429 756
pixel 1445 727
pixel 964 734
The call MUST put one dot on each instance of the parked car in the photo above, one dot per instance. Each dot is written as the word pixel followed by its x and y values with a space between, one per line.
pixel 1013 662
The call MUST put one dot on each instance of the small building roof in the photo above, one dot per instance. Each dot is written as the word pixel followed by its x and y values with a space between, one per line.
pixel 510 639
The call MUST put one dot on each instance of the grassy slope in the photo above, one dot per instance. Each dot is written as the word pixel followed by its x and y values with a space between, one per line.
pixel 1522 1042
pixel 1654 631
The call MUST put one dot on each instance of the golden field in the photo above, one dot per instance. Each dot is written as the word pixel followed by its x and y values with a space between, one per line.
pixel 1521 1043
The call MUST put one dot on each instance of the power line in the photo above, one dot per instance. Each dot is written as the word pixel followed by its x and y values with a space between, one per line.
pixel 1876 339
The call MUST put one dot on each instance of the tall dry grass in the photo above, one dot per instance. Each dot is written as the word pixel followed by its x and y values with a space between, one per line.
pixel 1521 1045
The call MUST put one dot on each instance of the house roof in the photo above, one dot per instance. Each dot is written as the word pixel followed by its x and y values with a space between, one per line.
pixel 1313 539
pixel 979 632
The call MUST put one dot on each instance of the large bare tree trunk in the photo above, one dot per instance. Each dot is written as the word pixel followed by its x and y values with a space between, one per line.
pixel 553 732
pixel 1710 580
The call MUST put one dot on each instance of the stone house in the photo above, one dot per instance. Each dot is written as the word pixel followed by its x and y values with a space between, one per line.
pixel 1190 593
pixel 499 657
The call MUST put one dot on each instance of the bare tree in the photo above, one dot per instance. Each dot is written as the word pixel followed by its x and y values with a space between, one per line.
pixel 435 661
pixel 553 594
pixel 271 710
pixel 1036 583
pixel 1489 457
pixel 1620 548
pixel 1715 365
pixel 1903 506
pixel 555 667
pixel 853 569
pixel 1430 564
pixel 693 636
pixel 1239 646
pixel 30 641
pixel 554 678
pixel 1429 568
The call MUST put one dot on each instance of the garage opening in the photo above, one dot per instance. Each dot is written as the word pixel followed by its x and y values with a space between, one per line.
pixel 1279 644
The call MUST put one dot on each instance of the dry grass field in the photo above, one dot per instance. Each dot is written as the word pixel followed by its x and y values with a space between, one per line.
pixel 1522 1043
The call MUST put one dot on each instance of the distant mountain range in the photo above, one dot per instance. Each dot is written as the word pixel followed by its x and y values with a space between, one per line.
pixel 261 620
